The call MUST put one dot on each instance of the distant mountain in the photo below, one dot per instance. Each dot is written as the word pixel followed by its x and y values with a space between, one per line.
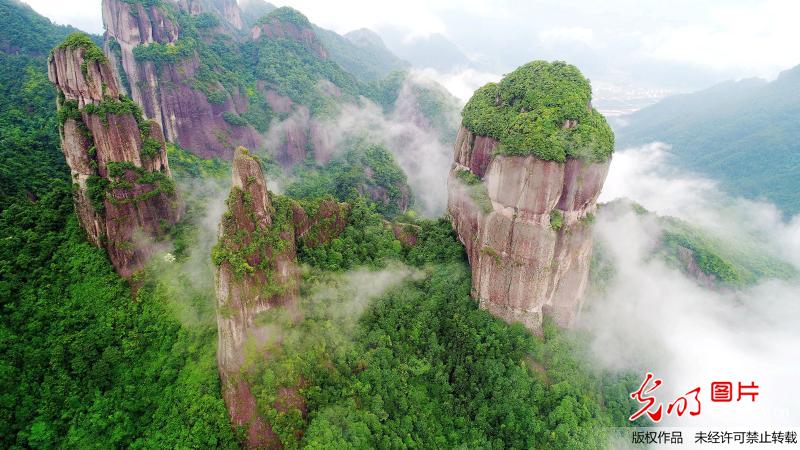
pixel 434 51
pixel 252 10
pixel 361 52
pixel 24 32
pixel 743 133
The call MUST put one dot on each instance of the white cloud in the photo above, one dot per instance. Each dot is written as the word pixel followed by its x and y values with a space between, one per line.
pixel 643 175
pixel 646 176
pixel 753 39
pixel 653 317
pixel 560 35
pixel 460 82
pixel 729 39
pixel 82 14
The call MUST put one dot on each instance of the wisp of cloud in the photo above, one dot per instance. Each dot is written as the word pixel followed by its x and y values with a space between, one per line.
pixel 655 318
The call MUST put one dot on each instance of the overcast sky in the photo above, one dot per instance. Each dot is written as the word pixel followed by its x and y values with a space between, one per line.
pixel 627 45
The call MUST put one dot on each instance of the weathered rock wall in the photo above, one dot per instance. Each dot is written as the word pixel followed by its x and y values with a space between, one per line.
pixel 256 271
pixel 118 162
pixel 525 224
pixel 166 92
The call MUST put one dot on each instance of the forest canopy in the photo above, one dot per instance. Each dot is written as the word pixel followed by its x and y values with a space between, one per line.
pixel 541 109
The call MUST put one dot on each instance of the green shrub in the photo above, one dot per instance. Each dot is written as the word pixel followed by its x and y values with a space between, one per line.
pixel 206 20
pixel 556 219
pixel 150 148
pixel 468 178
pixel 364 169
pixel 68 110
pixel 286 14
pixel 117 107
pixel 234 119
pixel 164 53
pixel 92 53
pixel 528 110
pixel 217 97
pixel 96 189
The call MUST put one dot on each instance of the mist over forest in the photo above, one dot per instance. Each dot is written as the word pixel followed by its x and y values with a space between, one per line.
pixel 237 224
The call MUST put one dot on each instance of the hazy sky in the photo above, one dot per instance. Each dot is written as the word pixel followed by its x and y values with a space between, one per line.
pixel 627 45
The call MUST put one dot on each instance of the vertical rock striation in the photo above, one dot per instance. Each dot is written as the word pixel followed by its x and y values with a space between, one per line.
pixel 124 191
pixel 174 68
pixel 524 211
pixel 159 66
pixel 227 10
pixel 256 271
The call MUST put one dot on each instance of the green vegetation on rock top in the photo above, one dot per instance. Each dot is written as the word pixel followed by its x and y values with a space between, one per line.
pixel 529 109
pixel 286 14
pixel 82 40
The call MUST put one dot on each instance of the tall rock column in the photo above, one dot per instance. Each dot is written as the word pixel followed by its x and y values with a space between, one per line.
pixel 158 65
pixel 124 190
pixel 256 271
pixel 530 159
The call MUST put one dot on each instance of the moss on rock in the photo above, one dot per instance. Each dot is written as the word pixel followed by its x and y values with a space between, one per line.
pixel 541 109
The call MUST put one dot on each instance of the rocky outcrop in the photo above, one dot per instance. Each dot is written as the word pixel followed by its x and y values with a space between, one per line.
pixel 161 70
pixel 128 25
pixel 287 23
pixel 525 223
pixel 326 223
pixel 166 92
pixel 530 159
pixel 257 270
pixel 125 194
pixel 687 259
pixel 227 10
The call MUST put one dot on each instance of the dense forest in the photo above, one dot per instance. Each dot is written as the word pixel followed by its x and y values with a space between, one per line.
pixel 91 360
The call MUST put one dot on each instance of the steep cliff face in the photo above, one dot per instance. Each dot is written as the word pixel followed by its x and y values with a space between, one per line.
pixel 166 56
pixel 525 220
pixel 256 260
pixel 227 10
pixel 160 68
pixel 257 271
pixel 118 160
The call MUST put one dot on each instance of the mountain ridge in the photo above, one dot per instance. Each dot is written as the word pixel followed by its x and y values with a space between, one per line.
pixel 740 133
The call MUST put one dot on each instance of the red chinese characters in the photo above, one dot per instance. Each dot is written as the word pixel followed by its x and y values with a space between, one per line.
pixel 721 391
pixel 681 403
pixel 751 390
pixel 643 396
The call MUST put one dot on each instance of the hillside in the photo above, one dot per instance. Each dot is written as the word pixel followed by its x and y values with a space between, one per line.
pixel 29 154
pixel 742 133
pixel 362 53
pixel 89 361
pixel 216 232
